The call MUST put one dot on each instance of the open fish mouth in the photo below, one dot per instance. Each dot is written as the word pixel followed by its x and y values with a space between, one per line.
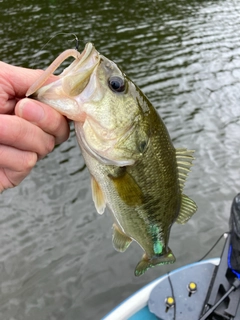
pixel 62 93
pixel 84 63
pixel 75 76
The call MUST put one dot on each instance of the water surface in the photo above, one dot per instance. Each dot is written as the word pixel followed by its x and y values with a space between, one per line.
pixel 56 256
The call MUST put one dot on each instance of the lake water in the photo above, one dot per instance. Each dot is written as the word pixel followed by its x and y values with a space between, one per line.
pixel 56 255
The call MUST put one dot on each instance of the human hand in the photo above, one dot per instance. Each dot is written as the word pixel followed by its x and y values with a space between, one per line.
pixel 29 129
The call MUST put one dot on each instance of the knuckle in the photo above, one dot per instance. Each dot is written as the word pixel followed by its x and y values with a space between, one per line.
pixel 50 144
pixel 60 129
pixel 19 132
pixel 56 123
pixel 29 161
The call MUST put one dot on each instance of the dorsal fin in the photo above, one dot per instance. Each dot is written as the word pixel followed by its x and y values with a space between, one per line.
pixel 187 210
pixel 184 162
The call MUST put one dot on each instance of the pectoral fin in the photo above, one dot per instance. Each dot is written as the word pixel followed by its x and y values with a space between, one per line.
pixel 188 208
pixel 98 196
pixel 128 189
pixel 120 241
pixel 147 263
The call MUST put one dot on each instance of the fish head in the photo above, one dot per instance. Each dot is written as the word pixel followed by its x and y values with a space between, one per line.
pixel 105 106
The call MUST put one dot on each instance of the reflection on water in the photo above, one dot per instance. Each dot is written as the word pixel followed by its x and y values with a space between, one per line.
pixel 56 257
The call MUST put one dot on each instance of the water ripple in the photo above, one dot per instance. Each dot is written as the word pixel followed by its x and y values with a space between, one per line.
pixel 56 257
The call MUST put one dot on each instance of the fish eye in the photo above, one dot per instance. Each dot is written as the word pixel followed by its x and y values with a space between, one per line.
pixel 116 84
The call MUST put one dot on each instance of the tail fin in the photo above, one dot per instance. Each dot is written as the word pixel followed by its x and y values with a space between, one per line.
pixel 147 263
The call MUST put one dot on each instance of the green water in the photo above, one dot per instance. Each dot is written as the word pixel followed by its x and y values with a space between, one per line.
pixel 56 256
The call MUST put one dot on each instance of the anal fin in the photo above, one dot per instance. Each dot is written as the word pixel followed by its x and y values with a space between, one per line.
pixel 98 196
pixel 188 208
pixel 120 240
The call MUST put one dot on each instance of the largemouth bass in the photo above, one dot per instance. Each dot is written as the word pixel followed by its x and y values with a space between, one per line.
pixel 135 170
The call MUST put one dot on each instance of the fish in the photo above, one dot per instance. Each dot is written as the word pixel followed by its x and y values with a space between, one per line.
pixel 135 170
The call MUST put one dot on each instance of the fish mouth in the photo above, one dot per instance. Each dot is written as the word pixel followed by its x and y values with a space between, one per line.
pixel 79 65
pixel 76 77
pixel 62 93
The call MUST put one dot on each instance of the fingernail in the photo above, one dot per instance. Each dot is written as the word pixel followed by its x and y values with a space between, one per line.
pixel 30 110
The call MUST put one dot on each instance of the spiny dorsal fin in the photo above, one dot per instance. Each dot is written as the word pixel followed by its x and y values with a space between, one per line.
pixel 98 197
pixel 188 208
pixel 184 162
